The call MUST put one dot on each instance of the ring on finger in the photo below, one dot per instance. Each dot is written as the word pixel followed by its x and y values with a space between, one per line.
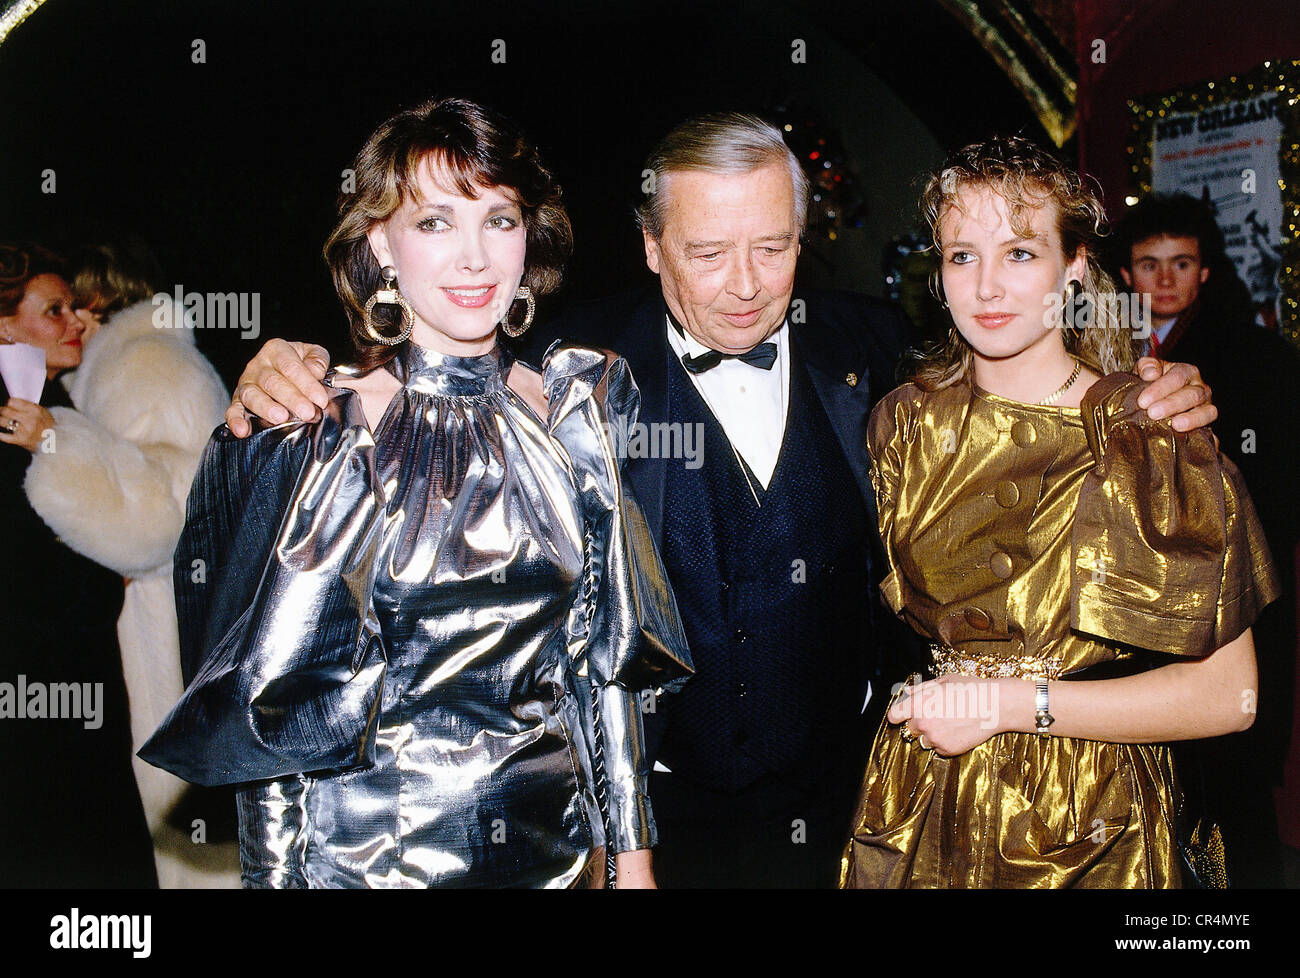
pixel 906 733
pixel 924 746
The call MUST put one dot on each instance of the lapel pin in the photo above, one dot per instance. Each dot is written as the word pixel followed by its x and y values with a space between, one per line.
pixel 851 380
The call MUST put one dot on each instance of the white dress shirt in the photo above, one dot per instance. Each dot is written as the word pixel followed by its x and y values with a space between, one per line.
pixel 1162 332
pixel 750 403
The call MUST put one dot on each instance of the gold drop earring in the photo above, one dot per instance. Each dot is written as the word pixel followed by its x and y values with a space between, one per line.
pixel 388 295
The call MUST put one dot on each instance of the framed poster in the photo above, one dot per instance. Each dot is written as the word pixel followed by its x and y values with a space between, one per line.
pixel 1233 142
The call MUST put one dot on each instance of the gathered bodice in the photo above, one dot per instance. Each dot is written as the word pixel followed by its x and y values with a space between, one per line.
pixel 422 631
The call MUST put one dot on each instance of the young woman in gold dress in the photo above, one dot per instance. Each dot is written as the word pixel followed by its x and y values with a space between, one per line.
pixel 1087 576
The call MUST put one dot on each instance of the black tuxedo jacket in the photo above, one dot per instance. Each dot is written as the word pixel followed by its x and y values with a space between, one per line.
pixel 850 344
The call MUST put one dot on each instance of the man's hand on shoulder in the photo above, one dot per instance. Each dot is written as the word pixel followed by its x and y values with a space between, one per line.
pixel 1175 391
pixel 282 382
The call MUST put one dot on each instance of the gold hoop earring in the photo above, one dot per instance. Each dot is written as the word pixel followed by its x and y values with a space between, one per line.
pixel 389 296
pixel 509 328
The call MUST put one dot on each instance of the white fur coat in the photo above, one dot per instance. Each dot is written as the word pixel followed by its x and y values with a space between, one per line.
pixel 114 489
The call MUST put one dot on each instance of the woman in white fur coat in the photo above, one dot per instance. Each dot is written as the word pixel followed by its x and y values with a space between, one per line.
pixel 115 491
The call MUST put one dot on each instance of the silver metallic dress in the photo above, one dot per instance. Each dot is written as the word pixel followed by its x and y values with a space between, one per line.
pixel 400 633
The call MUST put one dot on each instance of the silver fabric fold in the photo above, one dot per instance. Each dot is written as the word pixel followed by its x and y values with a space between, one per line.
pixel 399 635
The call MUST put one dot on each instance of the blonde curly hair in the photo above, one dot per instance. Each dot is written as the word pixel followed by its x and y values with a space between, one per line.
pixel 1027 178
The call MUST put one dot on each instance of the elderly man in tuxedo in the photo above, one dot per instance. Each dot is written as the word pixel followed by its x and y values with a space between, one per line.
pixel 752 469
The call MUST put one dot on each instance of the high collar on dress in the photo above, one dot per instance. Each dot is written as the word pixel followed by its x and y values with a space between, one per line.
pixel 430 372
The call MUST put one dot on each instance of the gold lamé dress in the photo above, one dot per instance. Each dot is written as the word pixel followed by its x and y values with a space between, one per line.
pixel 1023 540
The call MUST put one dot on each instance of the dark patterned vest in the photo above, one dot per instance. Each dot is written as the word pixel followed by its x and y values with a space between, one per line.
pixel 775 599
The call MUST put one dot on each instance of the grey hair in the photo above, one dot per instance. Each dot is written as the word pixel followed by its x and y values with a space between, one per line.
pixel 720 142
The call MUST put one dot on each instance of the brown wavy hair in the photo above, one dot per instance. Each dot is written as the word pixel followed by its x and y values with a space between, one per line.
pixel 474 146
pixel 20 262
pixel 1027 177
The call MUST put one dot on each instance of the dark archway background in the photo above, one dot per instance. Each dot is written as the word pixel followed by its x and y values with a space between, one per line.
pixel 229 168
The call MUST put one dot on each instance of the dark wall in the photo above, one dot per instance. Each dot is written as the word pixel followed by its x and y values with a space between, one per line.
pixel 230 168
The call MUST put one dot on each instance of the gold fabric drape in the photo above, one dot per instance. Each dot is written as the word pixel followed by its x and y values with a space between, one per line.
pixel 1004 524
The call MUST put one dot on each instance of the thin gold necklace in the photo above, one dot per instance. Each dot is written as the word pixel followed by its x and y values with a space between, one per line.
pixel 1055 396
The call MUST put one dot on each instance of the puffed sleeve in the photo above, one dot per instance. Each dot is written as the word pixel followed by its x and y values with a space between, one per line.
pixel 1168 552
pixel 272 834
pixel 890 430
pixel 625 635
pixel 273 577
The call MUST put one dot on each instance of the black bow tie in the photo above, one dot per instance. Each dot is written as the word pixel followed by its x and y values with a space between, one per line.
pixel 761 356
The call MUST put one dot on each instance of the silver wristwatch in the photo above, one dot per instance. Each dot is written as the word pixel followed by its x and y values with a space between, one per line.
pixel 1042 719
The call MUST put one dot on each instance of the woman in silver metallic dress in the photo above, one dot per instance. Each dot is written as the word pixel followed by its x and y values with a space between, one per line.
pixel 418 627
